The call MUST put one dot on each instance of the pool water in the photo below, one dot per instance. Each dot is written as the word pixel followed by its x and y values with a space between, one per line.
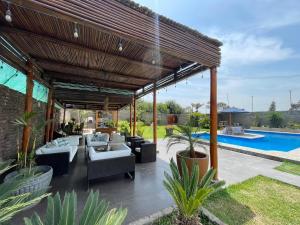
pixel 271 141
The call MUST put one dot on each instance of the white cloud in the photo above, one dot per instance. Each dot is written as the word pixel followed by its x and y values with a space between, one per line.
pixel 244 49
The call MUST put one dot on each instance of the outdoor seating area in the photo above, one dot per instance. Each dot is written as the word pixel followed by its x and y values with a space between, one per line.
pixel 85 137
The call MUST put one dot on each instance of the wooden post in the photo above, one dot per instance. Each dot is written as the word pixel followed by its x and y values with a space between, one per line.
pixel 64 118
pixel 134 116
pixel 130 118
pixel 213 121
pixel 52 119
pixel 154 115
pixel 28 105
pixel 48 116
pixel 117 122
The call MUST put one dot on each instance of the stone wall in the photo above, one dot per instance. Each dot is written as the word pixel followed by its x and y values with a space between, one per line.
pixel 11 107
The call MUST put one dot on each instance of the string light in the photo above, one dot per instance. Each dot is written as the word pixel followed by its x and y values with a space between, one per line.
pixel 153 59
pixel 120 46
pixel 76 34
pixel 8 14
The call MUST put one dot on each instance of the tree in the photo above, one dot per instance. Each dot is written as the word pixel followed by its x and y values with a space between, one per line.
pixel 174 108
pixel 196 106
pixel 222 105
pixel 295 106
pixel 162 108
pixel 272 107
pixel 276 120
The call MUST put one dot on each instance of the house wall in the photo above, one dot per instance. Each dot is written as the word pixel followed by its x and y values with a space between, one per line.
pixel 12 106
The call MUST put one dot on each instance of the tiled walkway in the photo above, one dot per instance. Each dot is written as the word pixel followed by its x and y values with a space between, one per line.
pixel 146 195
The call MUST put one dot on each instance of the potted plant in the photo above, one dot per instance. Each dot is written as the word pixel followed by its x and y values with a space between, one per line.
pixel 189 192
pixel 11 204
pixel 38 177
pixel 189 155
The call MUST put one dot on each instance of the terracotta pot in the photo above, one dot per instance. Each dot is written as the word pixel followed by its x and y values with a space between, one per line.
pixel 201 160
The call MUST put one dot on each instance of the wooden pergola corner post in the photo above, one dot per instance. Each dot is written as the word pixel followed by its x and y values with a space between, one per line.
pixel 130 117
pixel 48 115
pixel 213 121
pixel 134 115
pixel 64 117
pixel 28 105
pixel 52 119
pixel 117 122
pixel 154 115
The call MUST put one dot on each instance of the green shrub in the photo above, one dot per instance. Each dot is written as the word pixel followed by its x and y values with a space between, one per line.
pixel 124 127
pixel 140 128
pixel 276 120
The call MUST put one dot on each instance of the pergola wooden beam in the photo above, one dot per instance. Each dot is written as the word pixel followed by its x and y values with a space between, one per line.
pixel 60 66
pixel 14 31
pixel 72 78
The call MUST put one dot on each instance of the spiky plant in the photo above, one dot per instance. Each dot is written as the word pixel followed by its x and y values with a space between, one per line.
pixel 26 156
pixel 184 135
pixel 11 204
pixel 95 212
pixel 188 192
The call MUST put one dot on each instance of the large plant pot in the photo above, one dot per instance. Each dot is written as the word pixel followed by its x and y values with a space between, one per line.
pixel 37 183
pixel 201 161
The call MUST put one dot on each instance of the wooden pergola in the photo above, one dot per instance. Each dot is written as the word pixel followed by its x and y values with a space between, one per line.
pixel 86 51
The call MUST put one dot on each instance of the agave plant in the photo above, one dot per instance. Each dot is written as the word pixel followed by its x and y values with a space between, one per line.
pixel 184 134
pixel 95 212
pixel 11 204
pixel 188 192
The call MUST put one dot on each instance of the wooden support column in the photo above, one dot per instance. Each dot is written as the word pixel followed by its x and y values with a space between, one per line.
pixel 213 121
pixel 64 118
pixel 130 118
pixel 134 116
pixel 28 105
pixel 52 119
pixel 154 115
pixel 117 122
pixel 48 115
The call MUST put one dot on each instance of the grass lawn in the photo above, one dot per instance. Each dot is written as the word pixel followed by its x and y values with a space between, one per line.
pixel 259 200
pixel 289 167
pixel 161 131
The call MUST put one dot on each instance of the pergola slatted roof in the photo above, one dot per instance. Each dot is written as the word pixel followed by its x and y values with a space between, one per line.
pixel 43 31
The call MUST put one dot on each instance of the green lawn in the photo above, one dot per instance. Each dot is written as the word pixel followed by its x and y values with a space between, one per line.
pixel 161 131
pixel 259 200
pixel 289 167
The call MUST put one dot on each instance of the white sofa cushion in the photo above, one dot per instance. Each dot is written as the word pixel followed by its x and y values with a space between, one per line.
pixel 97 140
pixel 72 140
pixel 117 138
pixel 116 151
pixel 71 149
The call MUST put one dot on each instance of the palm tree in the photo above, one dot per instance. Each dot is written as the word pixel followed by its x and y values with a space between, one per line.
pixel 185 135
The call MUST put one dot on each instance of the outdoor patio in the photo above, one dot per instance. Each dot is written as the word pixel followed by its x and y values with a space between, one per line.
pixel 146 194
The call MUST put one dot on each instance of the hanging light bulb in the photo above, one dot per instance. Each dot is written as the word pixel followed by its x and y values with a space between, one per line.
pixel 153 61
pixel 8 14
pixel 76 34
pixel 120 47
pixel 202 76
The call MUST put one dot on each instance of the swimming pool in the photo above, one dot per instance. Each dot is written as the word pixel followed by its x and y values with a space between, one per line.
pixel 272 141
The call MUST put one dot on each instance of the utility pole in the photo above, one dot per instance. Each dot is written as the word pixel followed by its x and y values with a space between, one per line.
pixel 290 97
pixel 252 103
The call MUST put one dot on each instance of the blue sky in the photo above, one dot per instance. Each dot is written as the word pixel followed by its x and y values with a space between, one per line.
pixel 260 53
